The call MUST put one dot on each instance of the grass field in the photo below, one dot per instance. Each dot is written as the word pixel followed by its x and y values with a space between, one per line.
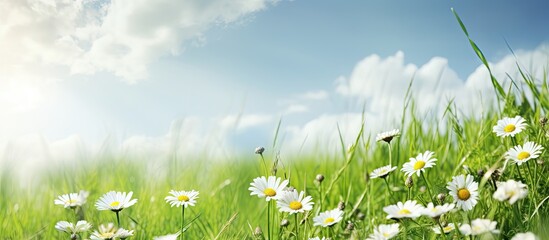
pixel 226 210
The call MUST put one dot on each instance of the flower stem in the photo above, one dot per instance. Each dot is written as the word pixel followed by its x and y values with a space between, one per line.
pixel 182 221
pixel 117 218
pixel 390 155
pixel 269 220
pixel 296 227
pixel 264 165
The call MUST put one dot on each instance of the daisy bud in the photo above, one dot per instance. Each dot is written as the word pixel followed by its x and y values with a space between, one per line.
pixel 259 150
pixel 350 226
pixel 320 178
pixel 481 173
pixel 422 189
pixel 540 161
pixel 341 206
pixel 284 223
pixel 543 121
pixel 360 216
pixel 441 197
pixel 409 182
pixel 258 232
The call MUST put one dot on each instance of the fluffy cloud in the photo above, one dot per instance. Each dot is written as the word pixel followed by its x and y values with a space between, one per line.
pixel 381 84
pixel 119 36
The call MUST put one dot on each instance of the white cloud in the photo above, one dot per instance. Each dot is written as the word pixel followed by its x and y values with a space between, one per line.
pixel 244 121
pixel 295 108
pixel 120 36
pixel 314 95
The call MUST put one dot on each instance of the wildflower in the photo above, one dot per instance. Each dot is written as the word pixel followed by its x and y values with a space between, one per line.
pixel 464 190
pixel 525 236
pixel 72 200
pixel 382 172
pixel 388 136
pixel 478 227
pixel 259 150
pixel 409 209
pixel 268 188
pixel 521 154
pixel 409 182
pixel 341 205
pixel 182 198
pixel 115 201
pixel 123 233
pixel 258 232
pixel 81 226
pixel 441 197
pixel 319 178
pixel 384 231
pixel 448 228
pixel 435 211
pixel 168 237
pixel 291 202
pixel 328 218
pixel 510 190
pixel 419 163
pixel 284 223
pixel 105 232
pixel 509 126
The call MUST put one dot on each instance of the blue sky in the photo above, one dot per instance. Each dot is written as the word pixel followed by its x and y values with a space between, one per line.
pixel 83 70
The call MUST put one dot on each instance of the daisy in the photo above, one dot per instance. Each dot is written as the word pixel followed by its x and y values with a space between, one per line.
pixel 328 218
pixel 123 233
pixel 388 136
pixel 464 190
pixel 509 126
pixel 72 200
pixel 521 154
pixel 291 202
pixel 419 163
pixel 382 172
pixel 182 198
pixel 525 236
pixel 448 228
pixel 510 190
pixel 81 226
pixel 268 188
pixel 105 232
pixel 435 211
pixel 409 209
pixel 115 201
pixel 478 227
pixel 384 231
pixel 167 237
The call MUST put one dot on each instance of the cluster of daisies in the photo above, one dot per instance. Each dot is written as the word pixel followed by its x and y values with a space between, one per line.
pixel 115 202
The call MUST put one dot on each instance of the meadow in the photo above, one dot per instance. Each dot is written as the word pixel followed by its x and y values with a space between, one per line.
pixel 476 158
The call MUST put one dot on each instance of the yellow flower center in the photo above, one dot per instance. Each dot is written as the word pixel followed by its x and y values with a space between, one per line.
pixel 295 205
pixel 329 220
pixel 404 211
pixel 463 194
pixel 419 165
pixel 509 128
pixel 108 235
pixel 523 155
pixel 386 234
pixel 115 204
pixel 447 228
pixel 71 201
pixel 183 198
pixel 269 192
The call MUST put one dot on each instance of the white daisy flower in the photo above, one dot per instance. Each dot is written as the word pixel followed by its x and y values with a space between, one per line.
pixel 464 190
pixel 167 237
pixel 328 218
pixel 510 190
pixel 521 154
pixel 81 226
pixel 382 172
pixel 478 227
pixel 525 236
pixel 388 136
pixel 182 198
pixel 448 228
pixel 123 233
pixel 409 209
pixel 72 200
pixel 105 232
pixel 509 126
pixel 419 163
pixel 435 211
pixel 384 231
pixel 291 202
pixel 268 188
pixel 115 201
